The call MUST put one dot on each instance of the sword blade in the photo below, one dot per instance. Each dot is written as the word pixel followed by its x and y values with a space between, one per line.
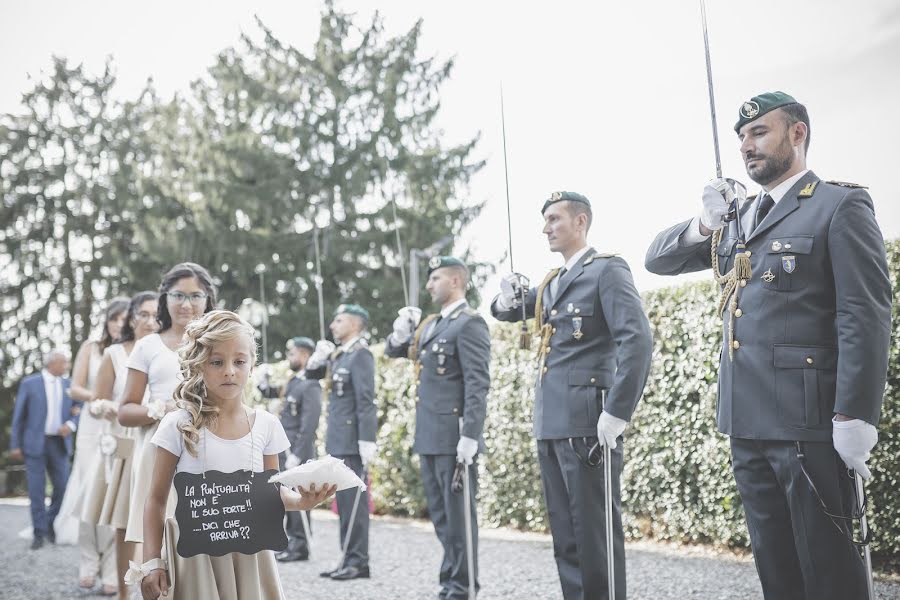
pixel 712 96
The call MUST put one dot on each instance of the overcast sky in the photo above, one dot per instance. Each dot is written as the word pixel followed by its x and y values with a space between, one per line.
pixel 607 99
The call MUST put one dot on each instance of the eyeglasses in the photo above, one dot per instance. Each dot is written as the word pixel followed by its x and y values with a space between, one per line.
pixel 197 298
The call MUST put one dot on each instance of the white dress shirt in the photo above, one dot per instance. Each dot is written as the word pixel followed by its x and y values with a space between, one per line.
pixel 53 391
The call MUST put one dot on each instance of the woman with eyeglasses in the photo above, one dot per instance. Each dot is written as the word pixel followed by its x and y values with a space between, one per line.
pixel 95 544
pixel 185 293
pixel 107 500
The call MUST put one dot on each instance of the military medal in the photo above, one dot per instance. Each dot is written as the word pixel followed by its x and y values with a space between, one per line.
pixel 293 404
pixel 441 370
pixel 576 324
pixel 789 263
pixel 776 246
pixel 570 307
pixel 442 359
pixel 435 347
pixel 768 276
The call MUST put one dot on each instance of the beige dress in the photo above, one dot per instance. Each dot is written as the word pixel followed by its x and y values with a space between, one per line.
pixel 150 355
pixel 107 499
pixel 233 576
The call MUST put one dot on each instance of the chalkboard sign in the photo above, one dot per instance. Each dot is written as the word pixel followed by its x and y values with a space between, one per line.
pixel 228 512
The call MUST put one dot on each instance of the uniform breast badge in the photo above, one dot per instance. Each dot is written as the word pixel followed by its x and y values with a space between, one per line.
pixel 576 325
pixel 768 276
pixel 789 263
pixel 570 307
pixel 292 402
pixel 776 246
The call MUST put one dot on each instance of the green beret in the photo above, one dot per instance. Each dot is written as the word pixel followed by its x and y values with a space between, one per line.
pixel 301 342
pixel 352 309
pixel 439 262
pixel 757 106
pixel 564 196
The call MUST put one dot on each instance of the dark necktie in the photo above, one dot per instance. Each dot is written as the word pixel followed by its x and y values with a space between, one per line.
pixel 765 205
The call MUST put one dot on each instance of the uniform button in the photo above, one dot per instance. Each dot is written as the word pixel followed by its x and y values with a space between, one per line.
pixel 809 359
pixel 349 422
pixel 553 312
pixel 554 330
pixel 593 380
pixel 743 283
pixel 577 310
pixel 735 344
pixel 738 313
pixel 547 349
pixel 545 369
pixel 455 410
pixel 424 352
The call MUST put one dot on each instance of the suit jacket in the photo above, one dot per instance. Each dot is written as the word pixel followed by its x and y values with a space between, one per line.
pixel 30 415
pixel 352 415
pixel 600 339
pixel 453 380
pixel 300 412
pixel 815 318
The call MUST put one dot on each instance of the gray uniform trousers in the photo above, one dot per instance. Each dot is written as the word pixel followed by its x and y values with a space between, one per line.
pixel 293 527
pixel 575 503
pixel 357 555
pixel 447 511
pixel 800 553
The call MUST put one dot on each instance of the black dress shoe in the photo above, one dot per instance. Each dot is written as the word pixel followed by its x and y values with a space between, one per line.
pixel 328 573
pixel 291 556
pixel 351 573
pixel 37 542
pixel 51 534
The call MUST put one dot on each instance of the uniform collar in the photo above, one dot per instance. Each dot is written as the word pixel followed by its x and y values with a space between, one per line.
pixel 447 311
pixel 576 257
pixel 348 345
pixel 778 192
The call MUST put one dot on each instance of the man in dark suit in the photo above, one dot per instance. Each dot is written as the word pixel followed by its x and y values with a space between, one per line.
pixel 452 353
pixel 348 373
pixel 301 407
pixel 595 343
pixel 807 322
pixel 44 419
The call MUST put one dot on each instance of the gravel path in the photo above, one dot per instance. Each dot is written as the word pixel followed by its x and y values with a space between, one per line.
pixel 405 558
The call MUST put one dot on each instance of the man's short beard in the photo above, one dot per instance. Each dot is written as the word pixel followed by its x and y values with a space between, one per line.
pixel 773 166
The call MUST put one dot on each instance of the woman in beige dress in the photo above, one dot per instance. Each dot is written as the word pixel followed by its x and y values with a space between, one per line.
pixel 185 293
pixel 107 500
pixel 95 543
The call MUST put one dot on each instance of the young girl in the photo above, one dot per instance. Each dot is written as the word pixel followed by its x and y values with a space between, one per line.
pixel 185 293
pixel 214 431
pixel 112 486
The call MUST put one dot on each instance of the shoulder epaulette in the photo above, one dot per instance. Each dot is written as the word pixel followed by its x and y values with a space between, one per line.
pixel 597 255
pixel 848 185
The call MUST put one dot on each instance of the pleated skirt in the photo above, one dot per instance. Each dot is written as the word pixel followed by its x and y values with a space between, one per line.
pixel 233 576
pixel 143 459
pixel 108 494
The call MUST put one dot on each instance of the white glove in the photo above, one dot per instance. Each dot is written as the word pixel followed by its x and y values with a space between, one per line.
pixel 510 292
pixel 854 440
pixel 609 428
pixel 717 197
pixel 292 461
pixel 405 324
pixel 320 355
pixel 366 451
pixel 466 449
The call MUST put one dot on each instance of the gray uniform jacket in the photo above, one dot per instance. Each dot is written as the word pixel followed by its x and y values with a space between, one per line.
pixel 814 330
pixel 600 340
pixel 352 415
pixel 300 412
pixel 454 379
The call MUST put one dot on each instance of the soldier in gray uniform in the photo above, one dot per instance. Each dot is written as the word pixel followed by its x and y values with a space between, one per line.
pixel 595 341
pixel 348 372
pixel 452 353
pixel 301 406
pixel 807 318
